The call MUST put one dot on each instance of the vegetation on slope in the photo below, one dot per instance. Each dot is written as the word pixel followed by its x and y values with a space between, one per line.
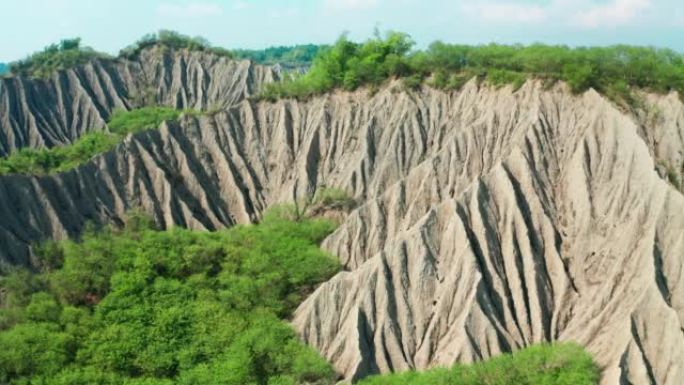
pixel 557 364
pixel 174 41
pixel 298 56
pixel 66 54
pixel 613 71
pixel 57 159
pixel 140 306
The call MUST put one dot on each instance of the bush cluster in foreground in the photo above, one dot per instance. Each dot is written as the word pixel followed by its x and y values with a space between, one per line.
pixel 32 161
pixel 554 364
pixel 141 306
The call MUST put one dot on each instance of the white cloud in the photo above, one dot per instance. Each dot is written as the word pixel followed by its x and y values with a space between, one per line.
pixel 615 13
pixel 507 12
pixel 350 4
pixel 189 10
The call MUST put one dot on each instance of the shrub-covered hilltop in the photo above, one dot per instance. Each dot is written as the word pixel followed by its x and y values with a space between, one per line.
pixel 613 71
pixel 70 53
pixel 141 306
pixel 66 54
pixel 556 364
pixel 32 161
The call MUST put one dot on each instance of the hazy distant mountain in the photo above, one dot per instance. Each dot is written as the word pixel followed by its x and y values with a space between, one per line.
pixel 3 68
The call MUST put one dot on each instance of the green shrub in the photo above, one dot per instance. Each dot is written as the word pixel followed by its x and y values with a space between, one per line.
pixel 554 364
pixel 124 122
pixel 142 306
pixel 331 196
pixel 500 78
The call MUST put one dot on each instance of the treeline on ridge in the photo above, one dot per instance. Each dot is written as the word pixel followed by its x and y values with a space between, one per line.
pixel 70 52
pixel 613 71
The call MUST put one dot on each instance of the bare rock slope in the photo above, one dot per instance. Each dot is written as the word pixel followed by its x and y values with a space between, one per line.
pixel 56 111
pixel 488 219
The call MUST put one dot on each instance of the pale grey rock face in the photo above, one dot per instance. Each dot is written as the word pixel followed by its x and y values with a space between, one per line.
pixel 57 111
pixel 489 220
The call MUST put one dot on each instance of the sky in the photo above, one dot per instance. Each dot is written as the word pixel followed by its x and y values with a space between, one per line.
pixel 109 25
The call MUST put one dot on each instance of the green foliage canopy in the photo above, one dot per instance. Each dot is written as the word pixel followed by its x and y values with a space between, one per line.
pixel 555 364
pixel 143 306
pixel 613 71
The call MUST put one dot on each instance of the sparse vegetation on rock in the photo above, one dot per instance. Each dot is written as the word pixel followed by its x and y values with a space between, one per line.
pixel 32 161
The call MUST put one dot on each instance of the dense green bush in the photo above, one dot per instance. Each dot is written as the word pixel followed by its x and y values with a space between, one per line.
pixel 57 159
pixel 141 306
pixel 557 364
pixel 67 54
pixel 348 65
pixel 172 40
pixel 614 71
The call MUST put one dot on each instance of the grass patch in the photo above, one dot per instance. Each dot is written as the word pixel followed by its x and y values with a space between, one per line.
pixel 30 161
pixel 125 122
pixel 141 306
pixel 556 364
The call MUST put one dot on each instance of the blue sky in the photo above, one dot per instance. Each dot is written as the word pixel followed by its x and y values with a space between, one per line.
pixel 108 25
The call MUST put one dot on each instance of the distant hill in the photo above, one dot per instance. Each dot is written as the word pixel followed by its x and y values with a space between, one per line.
pixel 289 57
pixel 3 68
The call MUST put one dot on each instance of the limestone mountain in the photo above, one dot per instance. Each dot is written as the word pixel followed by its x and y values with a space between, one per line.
pixel 487 219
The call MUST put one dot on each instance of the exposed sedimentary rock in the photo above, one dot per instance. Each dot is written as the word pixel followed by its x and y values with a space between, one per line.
pixel 45 113
pixel 489 219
